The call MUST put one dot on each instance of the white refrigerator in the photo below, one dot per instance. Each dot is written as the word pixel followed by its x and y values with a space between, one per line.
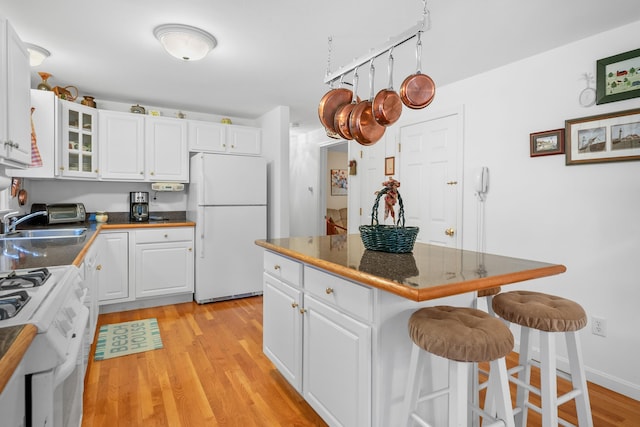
pixel 227 199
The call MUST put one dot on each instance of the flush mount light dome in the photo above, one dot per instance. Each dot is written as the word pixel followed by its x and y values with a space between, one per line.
pixel 37 54
pixel 185 42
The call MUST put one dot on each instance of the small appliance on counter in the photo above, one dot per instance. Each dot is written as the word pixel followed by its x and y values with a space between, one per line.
pixel 60 213
pixel 139 206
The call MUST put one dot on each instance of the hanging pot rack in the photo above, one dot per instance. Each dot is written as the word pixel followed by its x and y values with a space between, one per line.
pixel 393 42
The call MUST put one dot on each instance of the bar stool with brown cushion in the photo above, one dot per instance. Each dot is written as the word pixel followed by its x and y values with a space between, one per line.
pixel 463 336
pixel 479 375
pixel 550 315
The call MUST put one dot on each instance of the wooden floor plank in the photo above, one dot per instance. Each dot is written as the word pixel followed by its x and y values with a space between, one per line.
pixel 212 372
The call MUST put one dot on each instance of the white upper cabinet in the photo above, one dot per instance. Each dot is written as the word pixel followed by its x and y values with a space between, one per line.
pixel 46 124
pixel 135 147
pixel 166 152
pixel 122 145
pixel 15 131
pixel 224 138
pixel 79 142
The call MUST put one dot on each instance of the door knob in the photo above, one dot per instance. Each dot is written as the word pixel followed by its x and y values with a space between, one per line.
pixel 449 232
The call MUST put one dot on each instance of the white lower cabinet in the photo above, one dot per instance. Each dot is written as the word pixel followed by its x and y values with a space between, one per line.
pixel 163 262
pixel 282 328
pixel 139 264
pixel 318 343
pixel 113 276
pixel 336 365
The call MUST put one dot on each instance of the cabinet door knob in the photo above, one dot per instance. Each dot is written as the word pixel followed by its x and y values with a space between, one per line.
pixel 99 267
pixel 190 249
pixel 294 304
pixel 276 267
pixel 329 291
pixel 141 173
pixel 449 232
pixel 166 235
pixel 303 311
pixel 152 173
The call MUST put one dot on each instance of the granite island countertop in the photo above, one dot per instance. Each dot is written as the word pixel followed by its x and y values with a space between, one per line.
pixel 428 272
pixel 48 252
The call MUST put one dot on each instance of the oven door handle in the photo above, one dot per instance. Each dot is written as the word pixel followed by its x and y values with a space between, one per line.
pixel 63 371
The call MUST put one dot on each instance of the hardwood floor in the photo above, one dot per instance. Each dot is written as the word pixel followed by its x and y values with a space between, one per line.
pixel 212 372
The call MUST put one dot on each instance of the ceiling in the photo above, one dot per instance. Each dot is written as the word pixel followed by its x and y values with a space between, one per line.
pixel 275 52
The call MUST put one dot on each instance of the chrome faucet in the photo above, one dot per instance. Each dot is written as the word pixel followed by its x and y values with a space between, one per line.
pixel 10 226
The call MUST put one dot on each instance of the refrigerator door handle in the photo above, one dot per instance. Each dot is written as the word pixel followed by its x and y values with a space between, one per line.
pixel 202 231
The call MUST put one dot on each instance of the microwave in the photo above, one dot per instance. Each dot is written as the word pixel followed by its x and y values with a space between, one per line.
pixel 66 212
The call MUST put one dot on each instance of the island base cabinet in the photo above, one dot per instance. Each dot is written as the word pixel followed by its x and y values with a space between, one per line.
pixel 336 365
pixel 282 329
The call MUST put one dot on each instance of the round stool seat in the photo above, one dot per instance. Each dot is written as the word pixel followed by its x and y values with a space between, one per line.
pixel 488 292
pixel 461 334
pixel 540 311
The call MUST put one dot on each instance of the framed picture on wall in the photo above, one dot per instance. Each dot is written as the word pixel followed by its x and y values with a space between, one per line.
pixel 339 182
pixel 618 77
pixel 545 143
pixel 608 137
pixel 389 165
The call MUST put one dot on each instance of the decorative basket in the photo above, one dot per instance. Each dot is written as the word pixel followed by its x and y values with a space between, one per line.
pixel 388 238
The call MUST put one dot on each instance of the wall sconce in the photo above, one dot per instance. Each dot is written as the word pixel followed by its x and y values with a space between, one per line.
pixel 185 42
pixel 37 54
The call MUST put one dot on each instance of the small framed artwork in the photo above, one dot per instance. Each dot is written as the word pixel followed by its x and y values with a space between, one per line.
pixel 618 77
pixel 389 165
pixel 339 183
pixel 546 143
pixel 608 137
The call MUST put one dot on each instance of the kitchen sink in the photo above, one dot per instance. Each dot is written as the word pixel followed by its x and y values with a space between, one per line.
pixel 44 233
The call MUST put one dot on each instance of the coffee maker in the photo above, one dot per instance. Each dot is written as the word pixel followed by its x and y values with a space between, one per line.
pixel 139 206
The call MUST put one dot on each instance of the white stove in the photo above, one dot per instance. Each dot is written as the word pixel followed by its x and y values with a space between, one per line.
pixel 52 299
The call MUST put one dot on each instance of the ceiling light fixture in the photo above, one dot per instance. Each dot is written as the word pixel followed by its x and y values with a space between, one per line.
pixel 37 54
pixel 185 42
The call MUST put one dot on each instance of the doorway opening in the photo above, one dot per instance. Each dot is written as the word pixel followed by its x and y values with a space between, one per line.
pixel 334 194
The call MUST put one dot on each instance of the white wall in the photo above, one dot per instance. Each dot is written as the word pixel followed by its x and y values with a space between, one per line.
pixel 582 216
pixel 275 148
pixel 304 186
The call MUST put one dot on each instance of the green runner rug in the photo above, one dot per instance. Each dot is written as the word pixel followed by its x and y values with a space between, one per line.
pixel 125 338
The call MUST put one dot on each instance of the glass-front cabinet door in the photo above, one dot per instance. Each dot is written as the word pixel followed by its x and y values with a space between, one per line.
pixel 79 141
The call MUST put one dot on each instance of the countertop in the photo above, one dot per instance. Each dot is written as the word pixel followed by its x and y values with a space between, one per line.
pixel 428 272
pixel 35 253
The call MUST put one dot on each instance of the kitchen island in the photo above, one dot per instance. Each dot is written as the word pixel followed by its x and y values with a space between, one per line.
pixel 335 316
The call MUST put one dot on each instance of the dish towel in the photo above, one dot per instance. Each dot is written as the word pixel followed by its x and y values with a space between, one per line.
pixel 36 160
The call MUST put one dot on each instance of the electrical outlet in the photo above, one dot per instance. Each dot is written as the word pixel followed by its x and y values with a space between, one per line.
pixel 599 326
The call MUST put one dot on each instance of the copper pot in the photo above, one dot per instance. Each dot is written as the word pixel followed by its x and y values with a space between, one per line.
pixel 364 127
pixel 417 90
pixel 341 118
pixel 387 105
pixel 329 105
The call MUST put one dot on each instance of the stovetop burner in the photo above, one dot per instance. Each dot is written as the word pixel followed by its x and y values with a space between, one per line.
pixel 29 279
pixel 11 304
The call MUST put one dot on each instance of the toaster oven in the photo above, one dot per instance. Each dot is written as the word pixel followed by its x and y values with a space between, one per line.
pixel 65 212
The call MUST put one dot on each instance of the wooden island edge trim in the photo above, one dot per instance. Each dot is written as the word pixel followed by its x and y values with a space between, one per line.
pixel 417 294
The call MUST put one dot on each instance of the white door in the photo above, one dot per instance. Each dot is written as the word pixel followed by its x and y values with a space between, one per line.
pixel 372 172
pixel 431 178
